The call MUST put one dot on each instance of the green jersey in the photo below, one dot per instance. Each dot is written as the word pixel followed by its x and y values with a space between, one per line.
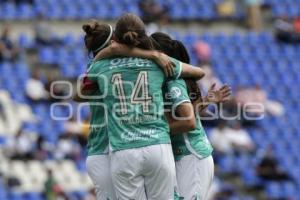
pixel 194 142
pixel 97 142
pixel 98 138
pixel 131 89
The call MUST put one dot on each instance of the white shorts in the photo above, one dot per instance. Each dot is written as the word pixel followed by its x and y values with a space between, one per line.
pixel 98 168
pixel 144 173
pixel 194 176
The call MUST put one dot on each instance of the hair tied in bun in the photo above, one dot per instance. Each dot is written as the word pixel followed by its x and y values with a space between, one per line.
pixel 87 28
pixel 131 37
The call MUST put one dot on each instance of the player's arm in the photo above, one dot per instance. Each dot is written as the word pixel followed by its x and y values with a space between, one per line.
pixel 182 120
pixel 164 61
pixel 84 87
pixel 181 117
pixel 87 84
pixel 192 72
pixel 117 49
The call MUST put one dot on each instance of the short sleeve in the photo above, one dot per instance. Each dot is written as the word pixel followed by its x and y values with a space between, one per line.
pixel 178 68
pixel 177 92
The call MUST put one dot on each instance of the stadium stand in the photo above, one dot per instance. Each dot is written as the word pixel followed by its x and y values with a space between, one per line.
pixel 239 59
pixel 255 55
pixel 79 9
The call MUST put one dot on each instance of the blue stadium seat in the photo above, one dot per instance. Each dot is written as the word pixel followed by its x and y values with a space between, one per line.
pixel 25 12
pixel 80 194
pixel 8 11
pixel 78 9
pixel 227 164
pixel 32 196
pixel 47 55
pixel 273 190
pixel 25 41
pixel 81 166
pixel 2 141
pixel 249 178
pixel 15 196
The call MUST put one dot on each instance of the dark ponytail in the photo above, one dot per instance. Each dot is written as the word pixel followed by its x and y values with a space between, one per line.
pixel 131 38
pixel 172 48
pixel 182 52
pixel 130 30
pixel 162 42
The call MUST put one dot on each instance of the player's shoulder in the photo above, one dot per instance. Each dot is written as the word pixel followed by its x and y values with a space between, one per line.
pixel 177 89
pixel 176 83
pixel 174 60
pixel 98 65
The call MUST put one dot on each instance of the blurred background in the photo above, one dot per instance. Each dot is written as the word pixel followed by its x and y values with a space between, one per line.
pixel 252 45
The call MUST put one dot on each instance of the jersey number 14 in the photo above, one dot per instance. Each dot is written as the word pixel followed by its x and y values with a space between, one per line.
pixel 139 95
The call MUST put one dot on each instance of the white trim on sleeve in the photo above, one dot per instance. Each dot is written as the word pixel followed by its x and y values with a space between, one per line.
pixel 180 70
pixel 181 102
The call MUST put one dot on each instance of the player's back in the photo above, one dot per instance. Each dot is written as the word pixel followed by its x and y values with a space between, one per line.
pixel 132 90
pixel 98 139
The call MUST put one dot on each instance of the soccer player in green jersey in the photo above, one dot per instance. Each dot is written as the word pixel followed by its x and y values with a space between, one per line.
pixel 98 165
pixel 141 160
pixel 192 150
pixel 179 95
pixel 97 162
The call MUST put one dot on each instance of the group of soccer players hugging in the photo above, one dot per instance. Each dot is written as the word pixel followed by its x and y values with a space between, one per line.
pixel 146 139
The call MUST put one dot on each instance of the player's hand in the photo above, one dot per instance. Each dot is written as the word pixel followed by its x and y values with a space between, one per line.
pixel 220 95
pixel 166 64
